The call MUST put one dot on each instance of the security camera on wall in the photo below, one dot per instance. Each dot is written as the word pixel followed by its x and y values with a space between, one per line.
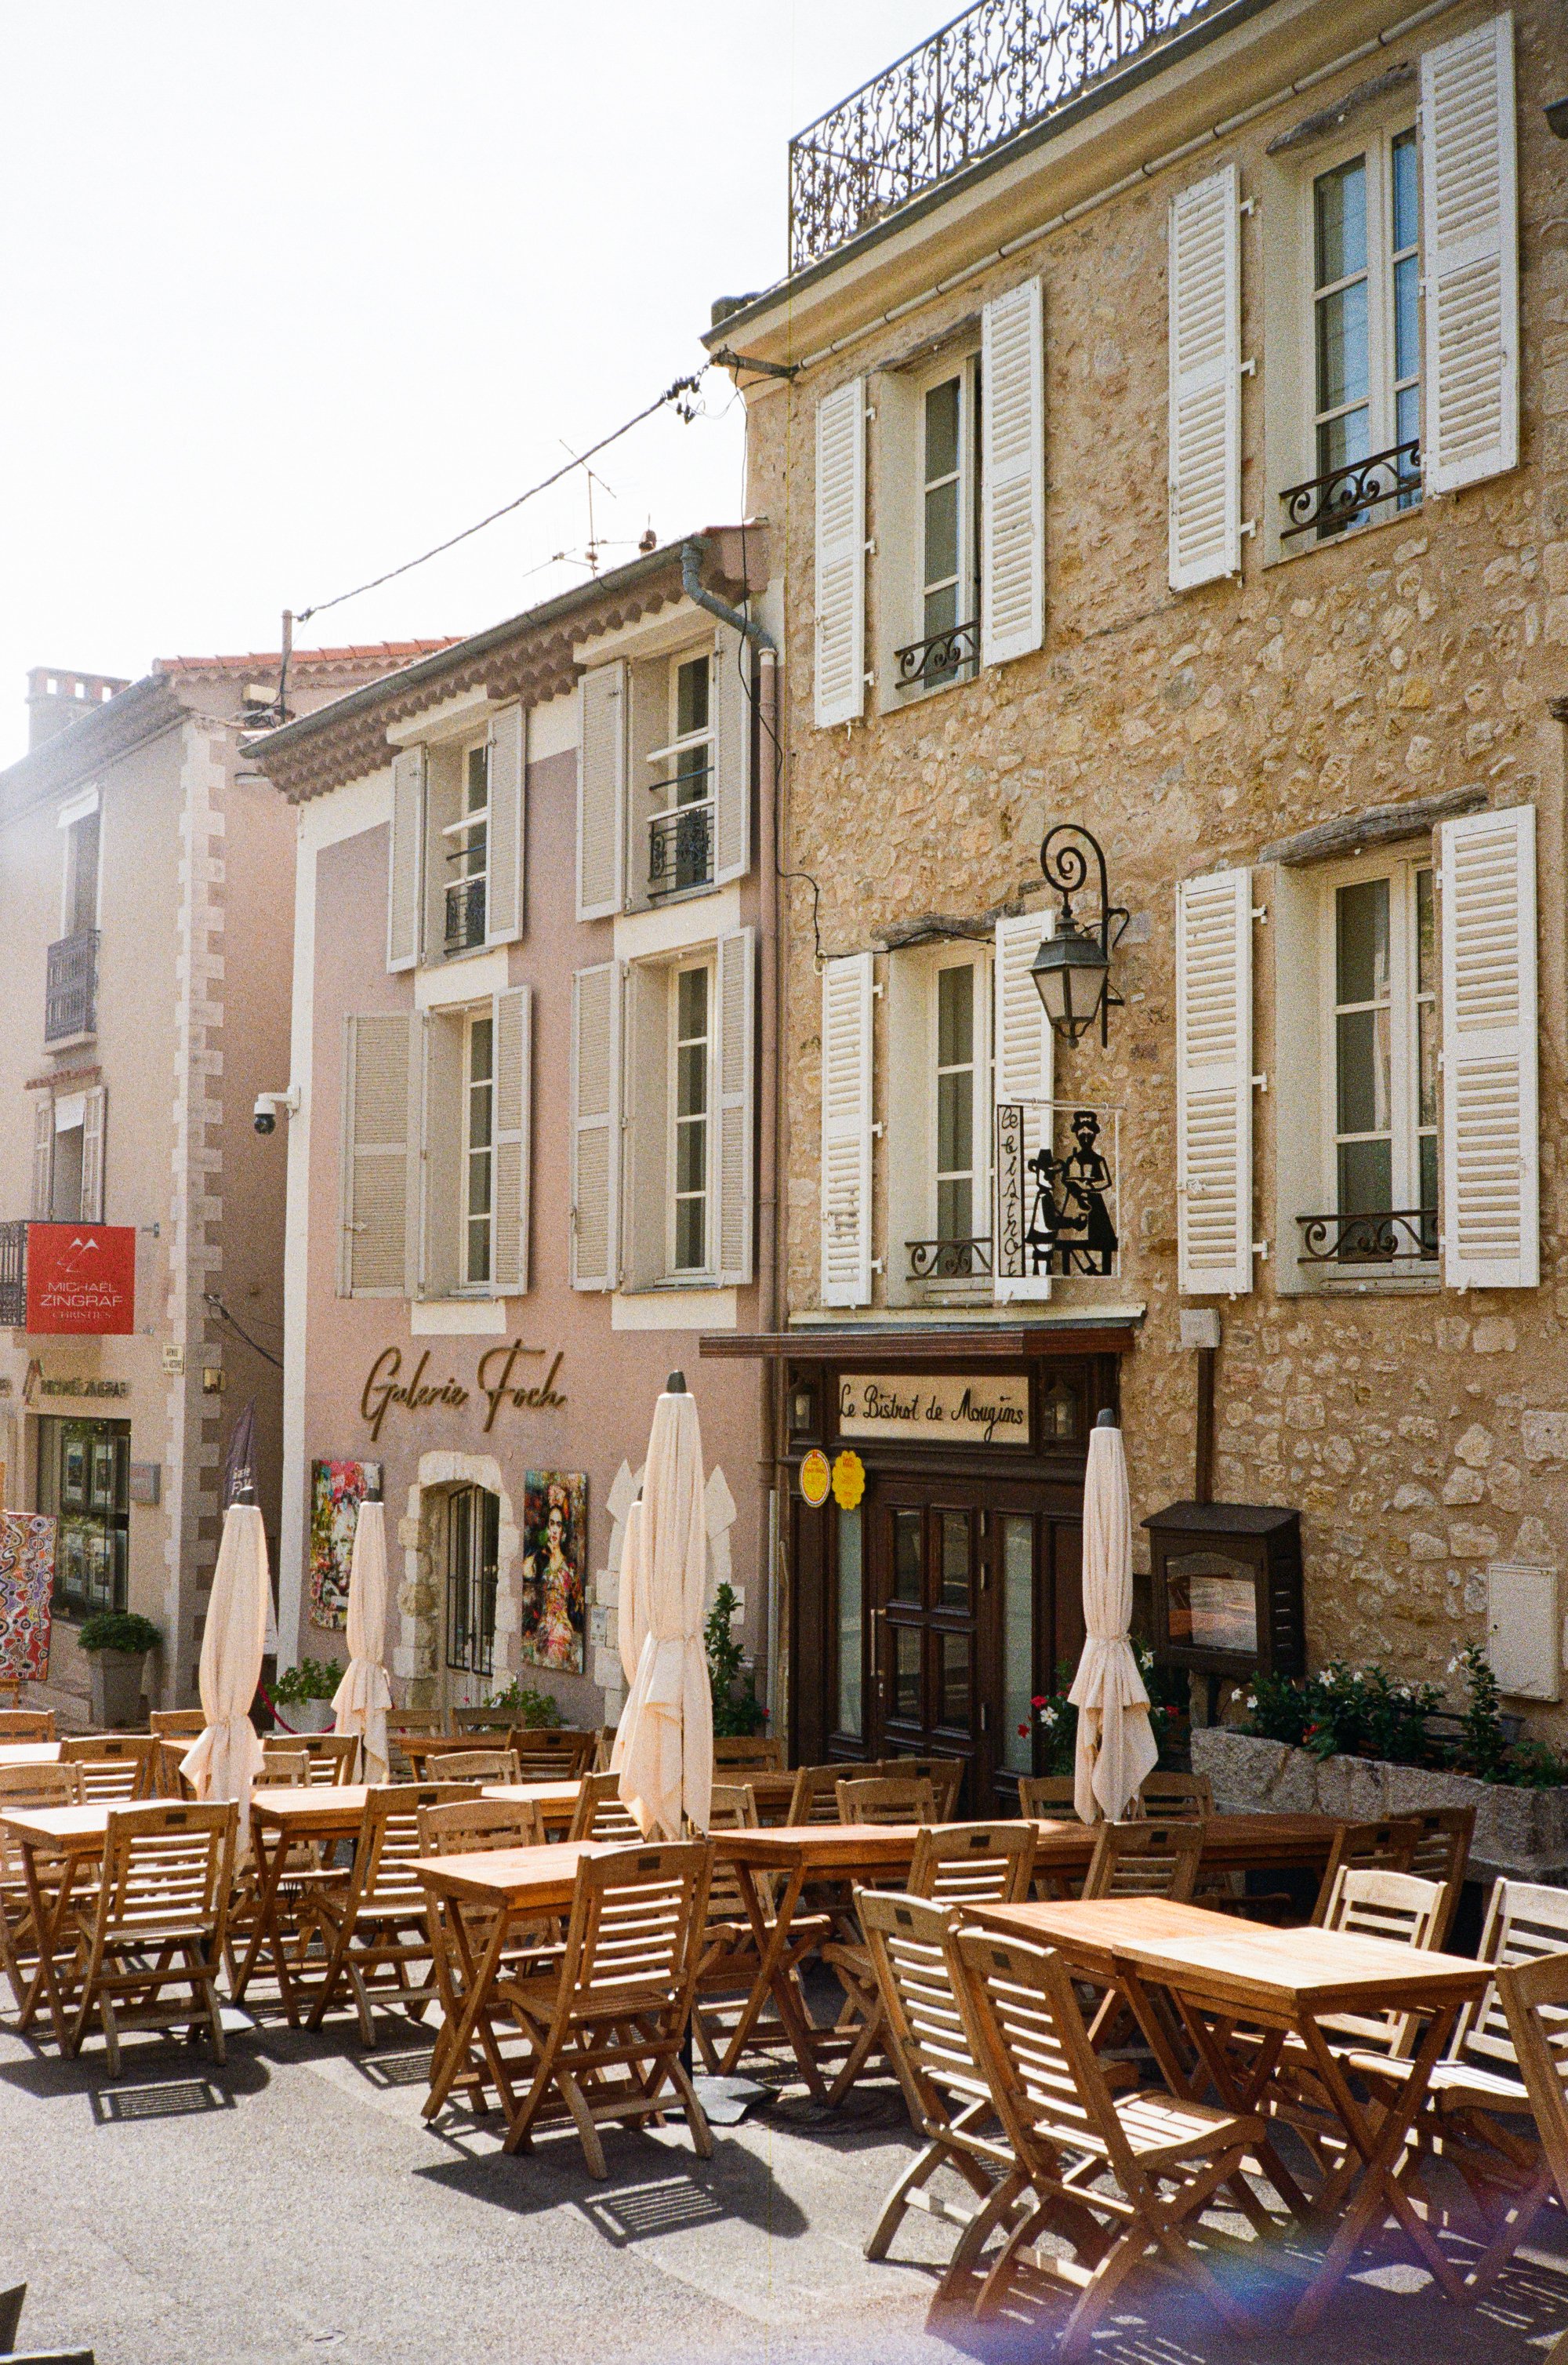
pixel 264 1114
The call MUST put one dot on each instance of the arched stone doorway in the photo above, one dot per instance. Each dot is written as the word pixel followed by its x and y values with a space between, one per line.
pixel 420 1654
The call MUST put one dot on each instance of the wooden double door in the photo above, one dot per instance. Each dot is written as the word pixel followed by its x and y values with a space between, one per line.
pixel 973 1598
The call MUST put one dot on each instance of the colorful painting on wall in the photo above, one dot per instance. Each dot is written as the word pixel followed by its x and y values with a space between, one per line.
pixel 27 1591
pixel 336 1490
pixel 555 1561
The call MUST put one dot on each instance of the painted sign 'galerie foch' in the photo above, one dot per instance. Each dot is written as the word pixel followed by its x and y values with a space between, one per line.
pixel 981 1411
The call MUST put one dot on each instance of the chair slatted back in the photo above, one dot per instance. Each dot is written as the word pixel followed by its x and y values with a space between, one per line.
pixel 1535 2000
pixel 733 1808
pixel 413 1720
pixel 1387 1846
pixel 473 1765
pixel 1443 1852
pixel 167 1869
pixel 946 1775
pixel 1048 1798
pixel 908 1940
pixel 114 1764
pixel 177 1723
pixel 600 1814
pixel 814 1799
pixel 23 1786
pixel 735 1752
pixel 888 1799
pixel 637 1918
pixel 1146 1860
pixel 389 1842
pixel 498 1721
pixel 973 1863
pixel 552 1754
pixel 1526 1921
pixel 468 1826
pixel 286 1768
pixel 1394 1906
pixel 1162 1796
pixel 333 1756
pixel 1027 2035
pixel 26 1724
pixel 603 1749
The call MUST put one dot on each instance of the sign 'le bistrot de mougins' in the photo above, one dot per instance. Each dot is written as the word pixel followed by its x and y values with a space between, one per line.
pixel 940 1411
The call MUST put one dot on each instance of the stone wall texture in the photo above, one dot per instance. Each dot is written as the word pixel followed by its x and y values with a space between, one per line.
pixel 1422 1434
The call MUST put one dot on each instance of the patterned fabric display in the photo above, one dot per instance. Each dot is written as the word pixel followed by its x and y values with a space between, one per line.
pixel 26 1587
pixel 337 1488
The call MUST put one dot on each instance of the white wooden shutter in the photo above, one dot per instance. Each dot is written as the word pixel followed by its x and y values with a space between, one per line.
pixel 92 1104
pixel 840 686
pixel 1470 258
pixel 1024 1065
pixel 507 761
pixel 511 1036
pixel 731 757
pixel 44 1158
pixel 1214 1082
pixel 846 1130
pixel 596 1126
pixel 380 1145
pixel 1205 459
pixel 737 997
pixel 601 790
pixel 1491 1214
pixel 1013 475
pixel 406 860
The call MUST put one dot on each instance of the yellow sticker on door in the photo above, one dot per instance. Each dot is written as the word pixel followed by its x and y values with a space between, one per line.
pixel 815 1477
pixel 849 1479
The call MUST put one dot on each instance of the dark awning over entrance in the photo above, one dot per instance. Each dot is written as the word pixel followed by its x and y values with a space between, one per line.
pixel 921 1343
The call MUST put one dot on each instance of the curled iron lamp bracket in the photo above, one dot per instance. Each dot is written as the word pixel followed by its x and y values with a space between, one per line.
pixel 1068 852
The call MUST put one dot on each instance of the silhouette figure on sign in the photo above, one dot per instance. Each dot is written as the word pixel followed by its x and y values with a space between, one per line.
pixel 1069 1223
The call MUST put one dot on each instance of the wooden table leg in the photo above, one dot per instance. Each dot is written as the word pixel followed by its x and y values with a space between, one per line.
pixel 476 1989
pixel 772 1946
pixel 47 1921
pixel 1245 2097
pixel 266 1930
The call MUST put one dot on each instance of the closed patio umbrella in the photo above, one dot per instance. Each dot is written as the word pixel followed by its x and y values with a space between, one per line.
pixel 663 1746
pixel 224 1760
pixel 363 1699
pixel 1116 1747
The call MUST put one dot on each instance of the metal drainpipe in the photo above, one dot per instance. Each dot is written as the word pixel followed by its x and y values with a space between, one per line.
pixel 692 552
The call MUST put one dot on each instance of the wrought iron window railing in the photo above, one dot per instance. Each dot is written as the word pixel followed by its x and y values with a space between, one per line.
pixel 13 1276
pixel 1327 504
pixel 941 657
pixel 948 1259
pixel 680 849
pixel 1395 1236
pixel 464 914
pixel 71 988
pixel 1000 66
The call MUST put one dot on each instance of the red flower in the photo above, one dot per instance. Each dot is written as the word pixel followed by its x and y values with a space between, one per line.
pixel 1039 1700
pixel 1024 1732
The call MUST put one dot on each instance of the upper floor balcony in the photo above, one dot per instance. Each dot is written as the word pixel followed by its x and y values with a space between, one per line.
pixel 1000 67
pixel 70 989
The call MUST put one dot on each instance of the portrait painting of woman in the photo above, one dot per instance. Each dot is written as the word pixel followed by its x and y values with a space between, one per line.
pixel 554 1561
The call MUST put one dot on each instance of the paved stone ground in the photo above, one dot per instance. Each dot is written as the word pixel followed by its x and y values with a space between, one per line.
pixel 292 2206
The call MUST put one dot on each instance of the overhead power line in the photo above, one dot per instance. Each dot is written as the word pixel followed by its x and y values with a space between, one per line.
pixel 681 387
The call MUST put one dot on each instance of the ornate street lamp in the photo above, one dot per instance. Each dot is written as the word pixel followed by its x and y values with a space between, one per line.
pixel 1072 968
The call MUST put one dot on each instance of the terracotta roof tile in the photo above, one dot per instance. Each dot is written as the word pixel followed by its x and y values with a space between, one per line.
pixel 396 653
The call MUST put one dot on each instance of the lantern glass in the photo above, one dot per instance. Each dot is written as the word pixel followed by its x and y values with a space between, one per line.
pixel 1069 972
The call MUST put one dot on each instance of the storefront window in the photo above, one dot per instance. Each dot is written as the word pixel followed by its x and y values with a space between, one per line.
pixel 851 1617
pixel 1017 1642
pixel 84 1483
pixel 954 1528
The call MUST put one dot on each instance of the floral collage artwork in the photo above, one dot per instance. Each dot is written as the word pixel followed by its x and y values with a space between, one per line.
pixel 27 1588
pixel 336 1490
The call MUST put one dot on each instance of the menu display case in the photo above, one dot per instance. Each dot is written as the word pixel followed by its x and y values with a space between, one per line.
pixel 1226 1586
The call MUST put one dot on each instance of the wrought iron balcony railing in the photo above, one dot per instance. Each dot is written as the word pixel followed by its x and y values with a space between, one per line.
pixel 948 1259
pixel 464 914
pixel 1328 503
pixel 941 657
pixel 680 849
pixel 1000 66
pixel 13 1276
pixel 1399 1236
pixel 71 988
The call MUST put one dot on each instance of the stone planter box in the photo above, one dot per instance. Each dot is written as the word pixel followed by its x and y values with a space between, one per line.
pixel 306 1716
pixel 1521 1834
pixel 115 1685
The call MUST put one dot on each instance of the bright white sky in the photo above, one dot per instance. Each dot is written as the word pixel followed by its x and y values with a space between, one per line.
pixel 290 292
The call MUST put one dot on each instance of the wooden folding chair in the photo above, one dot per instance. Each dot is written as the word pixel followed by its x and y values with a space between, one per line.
pixel 411 1721
pixel 947 2091
pixel 1146 1860
pixel 600 1814
pixel 374 1921
pixel 554 1755
pixel 1163 1796
pixel 158 1922
pixel 736 1752
pixel 1535 1998
pixel 26 1724
pixel 973 1863
pixel 333 1757
pixel 946 1775
pixel 473 1765
pixel 814 1799
pixel 483 1719
pixel 26 1787
pixel 731 1958
pixel 467 1827
pixel 607 2027
pixel 114 1764
pixel 1443 1836
pixel 284 1768
pixel 888 1799
pixel 1387 1846
pixel 603 1749
pixel 187 1724
pixel 1048 1798
pixel 1073 2138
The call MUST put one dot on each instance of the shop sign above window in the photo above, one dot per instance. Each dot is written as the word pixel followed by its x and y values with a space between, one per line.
pixel 990 1411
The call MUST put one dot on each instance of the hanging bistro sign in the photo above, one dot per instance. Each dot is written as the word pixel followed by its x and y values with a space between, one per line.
pixel 498 1379
pixel 990 1411
pixel 1055 1190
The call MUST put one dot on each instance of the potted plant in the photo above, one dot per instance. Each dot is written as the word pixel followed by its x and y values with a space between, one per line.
pixel 538 1712
pixel 305 1693
pixel 117 1643
pixel 733 1712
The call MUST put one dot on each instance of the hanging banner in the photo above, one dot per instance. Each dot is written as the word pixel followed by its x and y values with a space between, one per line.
pixel 81 1277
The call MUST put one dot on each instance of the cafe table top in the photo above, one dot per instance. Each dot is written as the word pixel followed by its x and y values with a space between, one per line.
pixel 65 1830
pixel 29 1753
pixel 322 1811
pixel 519 1879
pixel 820 1847
pixel 1227 1965
pixel 556 1801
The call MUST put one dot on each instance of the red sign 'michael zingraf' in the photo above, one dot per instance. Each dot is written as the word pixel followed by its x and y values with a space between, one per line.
pixel 81 1277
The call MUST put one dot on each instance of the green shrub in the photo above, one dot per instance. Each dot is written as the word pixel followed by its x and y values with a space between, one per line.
pixel 1345 1712
pixel 537 1710
pixel 1057 1718
pixel 733 1712
pixel 119 1629
pixel 309 1679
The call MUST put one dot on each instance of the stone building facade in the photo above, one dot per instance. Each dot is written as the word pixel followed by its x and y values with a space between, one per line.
pixel 1316 720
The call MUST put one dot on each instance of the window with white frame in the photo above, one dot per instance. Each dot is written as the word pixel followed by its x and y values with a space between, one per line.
pixel 958 1092
pixel 1379 965
pixel 690 1107
pixel 466 842
pixel 80 905
pixel 946 532
pixel 939 1119
pixel 681 825
pixel 479 1149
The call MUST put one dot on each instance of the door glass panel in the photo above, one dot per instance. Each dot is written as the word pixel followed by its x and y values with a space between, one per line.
pixel 851 1598
pixel 1017 1642
pixel 956 1663
pixel 1067 1641
pixel 906 1672
pixel 908 1557
pixel 954 1527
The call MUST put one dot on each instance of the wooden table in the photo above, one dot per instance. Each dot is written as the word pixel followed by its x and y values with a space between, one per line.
pixel 64 1838
pixel 556 1801
pixel 515 1885
pixel 29 1753
pixel 420 1747
pixel 1218 1972
pixel 802 1852
pixel 279 1817
pixel 1231 1844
